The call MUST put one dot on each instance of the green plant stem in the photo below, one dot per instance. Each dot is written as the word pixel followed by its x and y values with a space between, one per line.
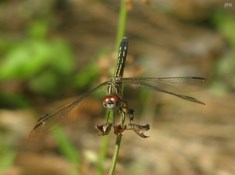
pixel 120 34
pixel 104 147
pixel 115 155
pixel 121 23
pixel 117 148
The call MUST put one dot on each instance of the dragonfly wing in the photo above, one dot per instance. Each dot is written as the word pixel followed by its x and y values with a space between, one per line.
pixel 43 122
pixel 170 85
pixel 174 84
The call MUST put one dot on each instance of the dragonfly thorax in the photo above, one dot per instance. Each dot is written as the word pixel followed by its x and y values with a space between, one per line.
pixel 114 86
pixel 111 101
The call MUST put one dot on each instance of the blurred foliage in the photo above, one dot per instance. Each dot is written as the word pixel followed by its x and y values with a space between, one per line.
pixel 84 77
pixel 38 59
pixel 67 149
pixel 11 100
pixel 7 153
pixel 45 66
pixel 7 159
pixel 225 66
pixel 225 24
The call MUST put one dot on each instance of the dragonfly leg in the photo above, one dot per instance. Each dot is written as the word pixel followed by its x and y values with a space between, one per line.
pixel 126 110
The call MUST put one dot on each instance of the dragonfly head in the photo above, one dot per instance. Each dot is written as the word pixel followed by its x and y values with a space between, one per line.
pixel 111 101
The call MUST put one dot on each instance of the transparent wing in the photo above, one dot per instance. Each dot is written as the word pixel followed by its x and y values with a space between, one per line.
pixel 171 85
pixel 45 122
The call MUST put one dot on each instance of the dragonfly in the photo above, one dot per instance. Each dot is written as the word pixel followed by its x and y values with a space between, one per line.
pixel 113 99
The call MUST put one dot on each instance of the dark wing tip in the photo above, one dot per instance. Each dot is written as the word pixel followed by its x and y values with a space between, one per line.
pixel 42 117
pixel 193 100
pixel 204 80
pixel 198 78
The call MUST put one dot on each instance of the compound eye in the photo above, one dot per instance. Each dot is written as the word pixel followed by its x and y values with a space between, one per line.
pixel 111 101
pixel 109 105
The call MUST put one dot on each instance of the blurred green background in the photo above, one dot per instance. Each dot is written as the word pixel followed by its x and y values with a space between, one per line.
pixel 51 50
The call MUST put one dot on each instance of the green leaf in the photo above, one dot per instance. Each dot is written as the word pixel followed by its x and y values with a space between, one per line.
pixel 65 146
pixel 86 75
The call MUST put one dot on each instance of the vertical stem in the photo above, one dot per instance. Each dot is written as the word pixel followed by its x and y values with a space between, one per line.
pixel 116 149
pixel 121 23
pixel 115 154
pixel 104 147
pixel 120 34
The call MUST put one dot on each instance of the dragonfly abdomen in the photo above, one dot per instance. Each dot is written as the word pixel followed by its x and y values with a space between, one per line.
pixel 122 53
